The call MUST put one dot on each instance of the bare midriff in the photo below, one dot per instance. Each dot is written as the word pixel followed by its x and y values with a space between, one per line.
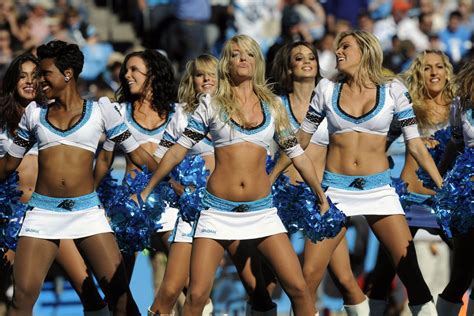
pixel 65 171
pixel 356 154
pixel 239 173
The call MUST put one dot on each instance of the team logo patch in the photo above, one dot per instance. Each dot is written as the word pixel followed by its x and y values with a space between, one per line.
pixel 118 111
pixel 407 95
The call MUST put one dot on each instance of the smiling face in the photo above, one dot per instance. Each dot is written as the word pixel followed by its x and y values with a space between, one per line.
pixel 434 74
pixel 204 80
pixel 242 63
pixel 303 63
pixel 348 55
pixel 52 81
pixel 27 82
pixel 136 75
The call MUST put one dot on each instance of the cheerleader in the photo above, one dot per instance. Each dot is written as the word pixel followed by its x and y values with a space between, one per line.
pixel 64 204
pixel 431 86
pixel 242 119
pixel 454 205
pixel 359 107
pixel 20 87
pixel 146 95
pixel 199 77
pixel 297 67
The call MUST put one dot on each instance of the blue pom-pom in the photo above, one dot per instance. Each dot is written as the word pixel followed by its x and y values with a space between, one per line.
pixel 271 162
pixel 442 137
pixel 328 225
pixel 192 174
pixel 190 203
pixel 298 210
pixel 12 212
pixel 132 223
pixel 453 203
pixel 106 189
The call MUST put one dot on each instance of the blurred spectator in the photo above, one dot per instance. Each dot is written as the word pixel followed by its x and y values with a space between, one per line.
pixel 192 17
pixel 96 55
pixel 76 25
pixel 393 59
pixel 312 14
pixel 111 76
pixel 466 9
pixel 380 9
pixel 260 20
pixel 222 22
pixel 58 30
pixel 366 22
pixel 385 29
pixel 438 11
pixel 38 20
pixel 327 57
pixel 456 38
pixel 347 10
pixel 6 53
pixel 153 20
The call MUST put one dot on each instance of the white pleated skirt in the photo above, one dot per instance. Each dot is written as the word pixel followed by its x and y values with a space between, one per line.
pixel 379 201
pixel 224 225
pixel 45 224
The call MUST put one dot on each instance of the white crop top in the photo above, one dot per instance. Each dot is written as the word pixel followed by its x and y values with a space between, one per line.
pixel 141 134
pixel 173 131
pixel 98 117
pixel 462 123
pixel 225 132
pixel 320 137
pixel 393 100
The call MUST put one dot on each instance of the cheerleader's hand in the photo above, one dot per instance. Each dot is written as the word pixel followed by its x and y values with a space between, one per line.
pixel 430 142
pixel 177 187
pixel 323 205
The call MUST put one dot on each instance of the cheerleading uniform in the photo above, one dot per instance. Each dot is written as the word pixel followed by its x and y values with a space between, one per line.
pixel 227 220
pixel 320 137
pixel 183 231
pixel 364 194
pixel 453 203
pixel 71 217
pixel 463 123
pixel 144 135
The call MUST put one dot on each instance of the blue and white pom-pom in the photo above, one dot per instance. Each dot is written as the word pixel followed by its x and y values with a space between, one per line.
pixel 319 227
pixel 132 223
pixel 442 137
pixel 289 199
pixel 106 189
pixel 298 210
pixel 192 174
pixel 12 212
pixel 453 204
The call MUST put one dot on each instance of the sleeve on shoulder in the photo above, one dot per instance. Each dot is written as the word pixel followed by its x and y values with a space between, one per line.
pixel 321 136
pixel 198 123
pixel 24 138
pixel 404 113
pixel 316 112
pixel 114 124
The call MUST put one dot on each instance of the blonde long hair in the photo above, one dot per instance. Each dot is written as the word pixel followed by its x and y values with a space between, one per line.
pixel 226 97
pixel 370 66
pixel 418 91
pixel 187 91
